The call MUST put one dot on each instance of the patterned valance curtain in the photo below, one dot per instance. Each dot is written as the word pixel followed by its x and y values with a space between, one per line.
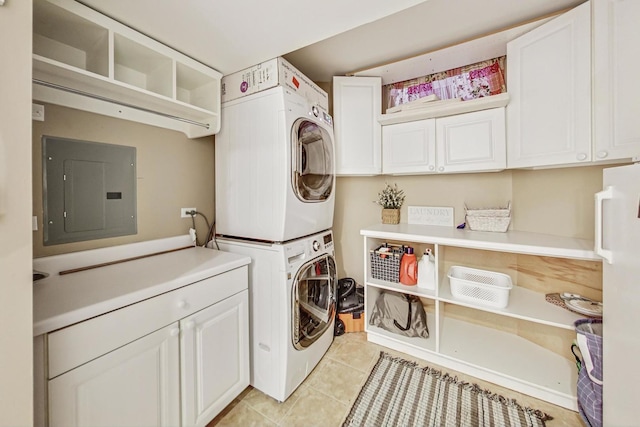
pixel 469 82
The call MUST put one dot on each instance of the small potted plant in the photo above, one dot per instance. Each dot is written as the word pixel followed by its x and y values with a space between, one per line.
pixel 391 199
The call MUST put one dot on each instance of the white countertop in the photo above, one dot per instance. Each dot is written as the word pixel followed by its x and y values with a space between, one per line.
pixel 522 242
pixel 62 300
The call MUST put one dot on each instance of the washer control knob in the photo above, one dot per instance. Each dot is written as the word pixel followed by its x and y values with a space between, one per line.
pixel 315 111
pixel 316 246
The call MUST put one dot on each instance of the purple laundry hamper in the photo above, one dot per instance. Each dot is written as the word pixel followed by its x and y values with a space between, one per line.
pixel 589 339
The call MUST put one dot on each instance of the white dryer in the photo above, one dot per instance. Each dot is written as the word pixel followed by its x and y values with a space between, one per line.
pixel 275 177
pixel 292 308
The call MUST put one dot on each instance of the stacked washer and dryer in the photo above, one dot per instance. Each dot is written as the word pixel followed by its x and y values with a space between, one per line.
pixel 275 185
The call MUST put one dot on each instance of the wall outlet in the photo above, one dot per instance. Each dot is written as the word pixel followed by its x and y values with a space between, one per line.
pixel 37 112
pixel 184 214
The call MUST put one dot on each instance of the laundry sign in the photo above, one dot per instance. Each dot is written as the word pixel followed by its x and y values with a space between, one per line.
pixel 431 215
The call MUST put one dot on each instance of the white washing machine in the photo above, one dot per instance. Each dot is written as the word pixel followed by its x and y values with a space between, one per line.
pixel 275 174
pixel 292 307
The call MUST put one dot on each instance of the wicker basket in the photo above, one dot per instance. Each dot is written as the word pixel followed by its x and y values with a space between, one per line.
pixel 492 219
pixel 391 216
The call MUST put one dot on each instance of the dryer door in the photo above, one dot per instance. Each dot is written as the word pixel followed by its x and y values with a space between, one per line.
pixel 313 174
pixel 314 301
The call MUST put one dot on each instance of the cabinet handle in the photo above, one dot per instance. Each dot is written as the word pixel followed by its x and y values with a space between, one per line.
pixel 174 332
pixel 602 154
pixel 182 304
pixel 582 156
pixel 601 196
pixel 190 324
pixel 441 169
pixel 431 167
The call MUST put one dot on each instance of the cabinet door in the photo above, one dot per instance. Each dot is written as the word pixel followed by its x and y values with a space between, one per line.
pixel 135 385
pixel 471 142
pixel 549 82
pixel 215 358
pixel 357 102
pixel 616 90
pixel 409 147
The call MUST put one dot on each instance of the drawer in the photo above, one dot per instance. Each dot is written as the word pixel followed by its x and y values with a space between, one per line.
pixel 82 342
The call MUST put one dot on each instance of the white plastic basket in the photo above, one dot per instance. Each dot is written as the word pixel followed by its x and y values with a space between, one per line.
pixel 480 286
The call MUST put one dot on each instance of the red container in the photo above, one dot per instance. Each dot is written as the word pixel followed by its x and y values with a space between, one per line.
pixel 409 268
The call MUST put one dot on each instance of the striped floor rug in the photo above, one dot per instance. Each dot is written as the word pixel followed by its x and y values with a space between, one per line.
pixel 401 393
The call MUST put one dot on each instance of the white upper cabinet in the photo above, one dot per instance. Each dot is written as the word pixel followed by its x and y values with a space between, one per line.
pixel 470 142
pixel 549 84
pixel 85 60
pixel 616 96
pixel 409 148
pixel 357 103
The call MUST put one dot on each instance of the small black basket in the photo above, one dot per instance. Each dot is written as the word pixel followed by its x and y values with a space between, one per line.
pixel 386 265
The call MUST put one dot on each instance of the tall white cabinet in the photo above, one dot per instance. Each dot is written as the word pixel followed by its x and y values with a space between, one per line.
pixel 549 83
pixel 574 99
pixel 616 92
pixel 357 102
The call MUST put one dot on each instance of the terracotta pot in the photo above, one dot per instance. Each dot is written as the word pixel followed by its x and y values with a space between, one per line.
pixel 391 216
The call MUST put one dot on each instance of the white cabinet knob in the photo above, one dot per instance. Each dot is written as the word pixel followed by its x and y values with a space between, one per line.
pixel 174 332
pixel 190 324
pixel 582 156
pixel 182 304
pixel 441 169
pixel 602 154
pixel 431 167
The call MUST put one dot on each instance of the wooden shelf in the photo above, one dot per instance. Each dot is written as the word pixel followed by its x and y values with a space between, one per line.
pixel 87 61
pixel 434 110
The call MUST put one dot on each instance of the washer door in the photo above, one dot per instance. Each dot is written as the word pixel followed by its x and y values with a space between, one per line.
pixel 313 299
pixel 313 175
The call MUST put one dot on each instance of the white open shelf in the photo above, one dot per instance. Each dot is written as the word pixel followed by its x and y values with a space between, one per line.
pixel 87 61
pixel 399 287
pixel 496 355
pixel 524 304
pixel 520 242
pixel 511 356
pixel 435 109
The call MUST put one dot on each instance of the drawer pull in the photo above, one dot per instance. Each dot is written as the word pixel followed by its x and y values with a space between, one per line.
pixel 174 332
pixel 190 324
pixel 182 304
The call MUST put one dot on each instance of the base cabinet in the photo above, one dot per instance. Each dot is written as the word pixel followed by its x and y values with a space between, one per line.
pixel 214 358
pixel 135 385
pixel 182 374
pixel 524 346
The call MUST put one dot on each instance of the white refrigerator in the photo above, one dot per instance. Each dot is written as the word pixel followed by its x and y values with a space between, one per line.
pixel 617 240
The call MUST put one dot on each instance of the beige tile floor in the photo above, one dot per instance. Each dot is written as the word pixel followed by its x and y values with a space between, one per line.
pixel 326 396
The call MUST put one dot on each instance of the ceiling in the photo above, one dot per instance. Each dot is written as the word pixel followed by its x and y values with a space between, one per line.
pixel 322 39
